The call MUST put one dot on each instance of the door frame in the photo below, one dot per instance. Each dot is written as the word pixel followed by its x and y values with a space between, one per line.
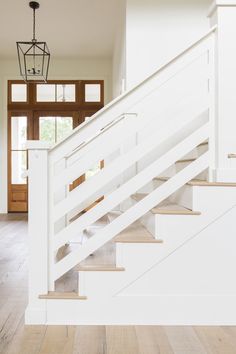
pixel 31 108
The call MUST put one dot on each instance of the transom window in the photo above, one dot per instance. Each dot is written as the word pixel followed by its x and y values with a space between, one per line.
pixel 89 92
pixel 55 93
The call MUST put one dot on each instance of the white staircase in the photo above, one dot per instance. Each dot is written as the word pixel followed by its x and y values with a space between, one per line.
pixel 159 199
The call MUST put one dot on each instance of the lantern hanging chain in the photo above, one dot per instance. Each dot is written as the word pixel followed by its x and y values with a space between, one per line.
pixel 34 25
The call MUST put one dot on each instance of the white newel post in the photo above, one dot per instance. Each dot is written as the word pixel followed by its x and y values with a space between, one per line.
pixel 38 230
pixel 223 14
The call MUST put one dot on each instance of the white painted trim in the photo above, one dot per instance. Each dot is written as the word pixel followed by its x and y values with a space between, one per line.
pixel 38 145
pixel 220 3
pixel 36 315
pixel 164 310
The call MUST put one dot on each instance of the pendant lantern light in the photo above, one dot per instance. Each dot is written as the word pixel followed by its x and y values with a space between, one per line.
pixel 33 56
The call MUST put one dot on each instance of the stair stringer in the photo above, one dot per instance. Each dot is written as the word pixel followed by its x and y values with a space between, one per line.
pixel 175 230
pixel 202 265
pixel 177 289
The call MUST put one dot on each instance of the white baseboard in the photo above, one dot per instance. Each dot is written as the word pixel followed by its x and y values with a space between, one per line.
pixel 163 310
pixel 35 316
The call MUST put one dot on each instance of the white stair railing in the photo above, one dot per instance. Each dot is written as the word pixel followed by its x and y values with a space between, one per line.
pixel 192 76
pixel 135 212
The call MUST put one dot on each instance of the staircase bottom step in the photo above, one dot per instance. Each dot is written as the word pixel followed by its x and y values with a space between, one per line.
pixel 53 295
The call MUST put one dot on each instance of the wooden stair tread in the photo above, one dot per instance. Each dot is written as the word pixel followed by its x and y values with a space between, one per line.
pixel 211 184
pixel 203 144
pixel 174 209
pixel 136 233
pixel 54 295
pixel 99 268
pixel 186 160
pixel 199 182
pixel 167 208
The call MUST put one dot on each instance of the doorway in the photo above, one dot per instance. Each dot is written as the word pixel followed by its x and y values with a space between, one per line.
pixel 47 112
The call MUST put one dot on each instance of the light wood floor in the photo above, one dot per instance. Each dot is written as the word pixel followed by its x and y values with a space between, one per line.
pixel 15 338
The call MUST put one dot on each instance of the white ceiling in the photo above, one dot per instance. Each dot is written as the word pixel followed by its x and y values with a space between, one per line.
pixel 71 28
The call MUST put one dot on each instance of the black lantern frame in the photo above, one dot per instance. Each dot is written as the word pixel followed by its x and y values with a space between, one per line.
pixel 33 56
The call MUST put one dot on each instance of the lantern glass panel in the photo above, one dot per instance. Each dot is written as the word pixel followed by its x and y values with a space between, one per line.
pixel 34 60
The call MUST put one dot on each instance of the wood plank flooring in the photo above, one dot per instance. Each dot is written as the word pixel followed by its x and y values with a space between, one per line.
pixel 16 338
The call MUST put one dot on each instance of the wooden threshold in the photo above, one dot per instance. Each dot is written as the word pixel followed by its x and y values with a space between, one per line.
pixel 53 295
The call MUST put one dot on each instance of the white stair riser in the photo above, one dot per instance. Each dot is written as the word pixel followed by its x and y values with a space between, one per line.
pixel 148 188
pixel 134 257
pixel 204 199
pixel 181 165
pixel 183 197
pixel 149 222
pixel 191 155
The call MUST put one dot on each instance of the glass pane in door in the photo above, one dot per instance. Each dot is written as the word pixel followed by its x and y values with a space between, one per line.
pixel 18 167
pixel 47 129
pixel 64 127
pixel 18 132
pixel 54 129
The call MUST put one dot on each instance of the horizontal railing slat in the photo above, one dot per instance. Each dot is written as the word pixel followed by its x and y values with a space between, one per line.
pixel 131 215
pixel 132 186
pixel 123 162
pixel 97 150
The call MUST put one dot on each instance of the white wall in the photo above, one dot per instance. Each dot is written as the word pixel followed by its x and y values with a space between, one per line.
pixel 100 69
pixel 157 30
pixel 119 55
